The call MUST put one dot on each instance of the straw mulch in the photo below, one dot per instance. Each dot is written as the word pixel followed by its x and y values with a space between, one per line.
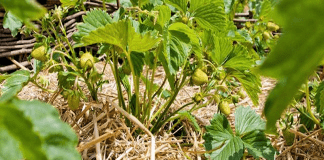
pixel 103 133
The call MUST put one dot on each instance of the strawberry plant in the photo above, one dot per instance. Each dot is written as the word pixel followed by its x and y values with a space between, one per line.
pixel 222 143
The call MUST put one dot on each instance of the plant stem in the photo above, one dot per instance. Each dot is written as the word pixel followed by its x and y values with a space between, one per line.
pixel 149 105
pixel 114 69
pixel 135 83
pixel 309 109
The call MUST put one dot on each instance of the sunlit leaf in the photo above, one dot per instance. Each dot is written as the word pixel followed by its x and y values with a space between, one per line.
pixel 223 47
pixel 14 84
pixel 181 5
pixel 69 3
pixel 251 84
pixel 12 22
pixel 220 140
pixel 246 120
pixel 92 20
pixel 211 16
pixel 123 35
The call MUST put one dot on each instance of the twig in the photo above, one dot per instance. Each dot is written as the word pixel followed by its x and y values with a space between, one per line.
pixel 96 135
pixel 13 67
pixel 96 140
pixel 310 138
pixel 18 64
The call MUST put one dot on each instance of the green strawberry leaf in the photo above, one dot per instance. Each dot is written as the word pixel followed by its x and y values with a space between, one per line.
pixel 14 84
pixel 163 17
pixel 246 121
pixel 293 60
pixel 181 5
pixel 123 35
pixel 91 21
pixel 251 84
pixel 239 59
pixel 229 6
pixel 12 22
pixel 258 145
pixel 222 48
pixel 69 3
pixel 219 137
pixel 17 129
pixel 138 60
pixel 265 9
pixel 194 4
pixel 222 144
pixel 58 139
pixel 175 48
pixel 25 10
pixel 191 119
pixel 211 16
pixel 66 79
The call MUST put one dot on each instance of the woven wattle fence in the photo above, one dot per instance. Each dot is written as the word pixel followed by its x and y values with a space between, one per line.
pixel 15 50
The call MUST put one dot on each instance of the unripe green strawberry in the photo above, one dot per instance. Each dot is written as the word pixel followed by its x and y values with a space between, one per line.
pixel 225 108
pixel 277 27
pixel 199 77
pixel 241 93
pixel 126 69
pixel 288 136
pixel 216 98
pixel 198 97
pixel 74 100
pixel 266 35
pixel 276 36
pixel 40 53
pixel 235 98
pixel 272 26
pixel 87 60
pixel 222 74
pixel 184 20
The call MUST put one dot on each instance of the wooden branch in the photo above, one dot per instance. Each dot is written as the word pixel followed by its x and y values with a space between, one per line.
pixel 14 53
pixel 17 46
pixel 74 15
pixel 13 67
pixel 18 42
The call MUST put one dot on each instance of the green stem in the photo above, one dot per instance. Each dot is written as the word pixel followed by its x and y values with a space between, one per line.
pixel 309 109
pixel 159 122
pixel 149 106
pixel 135 83
pixel 44 89
pixel 114 69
